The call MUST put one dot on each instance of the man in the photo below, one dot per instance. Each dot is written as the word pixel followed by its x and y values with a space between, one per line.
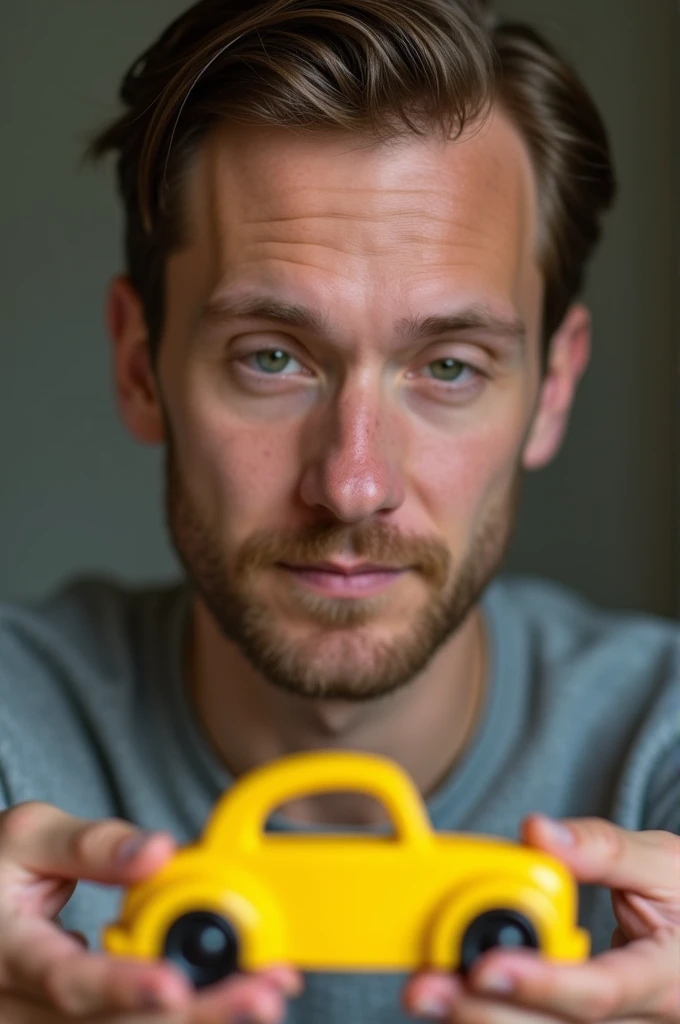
pixel 356 236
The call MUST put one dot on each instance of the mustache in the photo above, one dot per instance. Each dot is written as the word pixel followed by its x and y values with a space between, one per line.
pixel 370 541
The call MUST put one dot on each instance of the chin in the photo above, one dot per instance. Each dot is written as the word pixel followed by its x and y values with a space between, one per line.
pixel 348 665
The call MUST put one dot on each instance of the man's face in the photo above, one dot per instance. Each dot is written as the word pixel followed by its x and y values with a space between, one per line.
pixel 385 425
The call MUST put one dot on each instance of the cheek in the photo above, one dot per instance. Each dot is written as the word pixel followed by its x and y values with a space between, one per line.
pixel 463 476
pixel 237 474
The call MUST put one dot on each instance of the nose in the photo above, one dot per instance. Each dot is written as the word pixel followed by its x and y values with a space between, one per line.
pixel 354 450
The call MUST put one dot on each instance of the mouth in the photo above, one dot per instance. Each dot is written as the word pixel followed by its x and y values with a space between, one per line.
pixel 345 579
pixel 344 568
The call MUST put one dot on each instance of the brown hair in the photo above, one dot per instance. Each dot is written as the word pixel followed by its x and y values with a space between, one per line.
pixel 386 67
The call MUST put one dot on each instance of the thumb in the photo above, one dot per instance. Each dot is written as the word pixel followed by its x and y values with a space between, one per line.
pixel 38 839
pixel 602 853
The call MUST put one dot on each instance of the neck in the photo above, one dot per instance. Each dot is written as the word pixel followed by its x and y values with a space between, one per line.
pixel 423 727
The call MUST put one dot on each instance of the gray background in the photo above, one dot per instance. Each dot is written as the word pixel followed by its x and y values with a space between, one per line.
pixel 77 495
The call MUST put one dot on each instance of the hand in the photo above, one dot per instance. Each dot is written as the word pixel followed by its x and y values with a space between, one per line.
pixel 637 981
pixel 47 976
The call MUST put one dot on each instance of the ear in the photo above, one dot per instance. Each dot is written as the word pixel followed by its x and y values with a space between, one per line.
pixel 568 358
pixel 136 387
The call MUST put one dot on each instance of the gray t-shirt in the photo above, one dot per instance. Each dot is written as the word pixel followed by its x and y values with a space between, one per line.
pixel 582 717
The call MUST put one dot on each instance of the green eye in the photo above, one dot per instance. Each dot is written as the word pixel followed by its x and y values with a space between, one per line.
pixel 451 369
pixel 271 360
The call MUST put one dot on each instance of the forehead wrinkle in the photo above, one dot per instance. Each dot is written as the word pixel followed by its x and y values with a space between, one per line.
pixel 361 195
pixel 443 233
pixel 360 260
pixel 450 203
pixel 428 254
pixel 447 212
pixel 346 216
pixel 313 199
pixel 442 214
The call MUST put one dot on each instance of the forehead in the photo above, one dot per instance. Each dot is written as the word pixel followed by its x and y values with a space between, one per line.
pixel 357 218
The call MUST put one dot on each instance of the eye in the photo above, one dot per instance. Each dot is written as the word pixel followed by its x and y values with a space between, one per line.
pixel 449 370
pixel 272 361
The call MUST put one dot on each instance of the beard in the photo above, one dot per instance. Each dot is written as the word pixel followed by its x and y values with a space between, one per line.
pixel 342 659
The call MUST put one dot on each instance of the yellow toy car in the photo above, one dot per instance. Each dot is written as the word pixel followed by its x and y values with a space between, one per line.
pixel 243 898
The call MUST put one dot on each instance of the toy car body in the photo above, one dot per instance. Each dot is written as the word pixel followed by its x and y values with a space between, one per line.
pixel 244 898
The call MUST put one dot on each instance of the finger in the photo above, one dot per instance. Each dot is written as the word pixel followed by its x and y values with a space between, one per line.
pixel 637 980
pixel 432 994
pixel 600 852
pixel 38 839
pixel 79 937
pixel 255 999
pixel 445 997
pixel 472 1010
pixel 96 984
pixel 45 962
pixel 258 999
pixel 288 980
pixel 23 1010
pixel 15 1009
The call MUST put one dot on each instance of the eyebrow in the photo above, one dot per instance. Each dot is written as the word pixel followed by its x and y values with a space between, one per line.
pixel 474 317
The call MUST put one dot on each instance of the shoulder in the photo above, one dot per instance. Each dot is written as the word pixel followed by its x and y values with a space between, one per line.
pixel 614 672
pixel 87 621
pixel 599 681
pixel 81 652
pixel 562 624
pixel 72 670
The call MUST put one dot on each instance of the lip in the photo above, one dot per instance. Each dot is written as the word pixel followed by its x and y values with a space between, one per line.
pixel 334 580
pixel 344 568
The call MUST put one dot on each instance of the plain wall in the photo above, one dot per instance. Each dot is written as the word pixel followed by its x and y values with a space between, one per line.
pixel 76 494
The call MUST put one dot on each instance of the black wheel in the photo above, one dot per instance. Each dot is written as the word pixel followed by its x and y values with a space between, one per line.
pixel 204 946
pixel 507 928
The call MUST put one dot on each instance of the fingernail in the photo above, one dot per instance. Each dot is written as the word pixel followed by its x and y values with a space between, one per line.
pixel 558 832
pixel 130 847
pixel 434 1007
pixel 497 983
